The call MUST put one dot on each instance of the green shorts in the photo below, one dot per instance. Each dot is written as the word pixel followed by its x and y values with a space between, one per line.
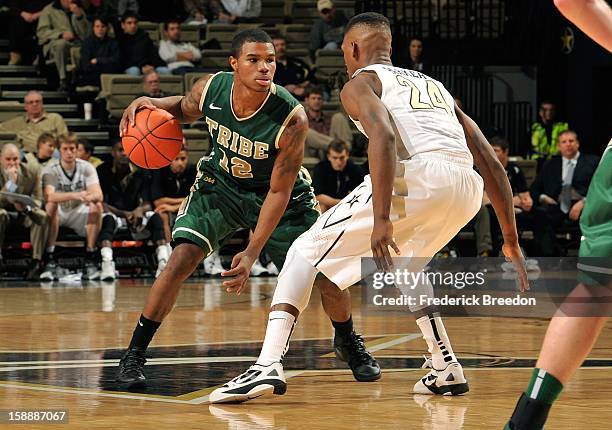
pixel 595 255
pixel 216 208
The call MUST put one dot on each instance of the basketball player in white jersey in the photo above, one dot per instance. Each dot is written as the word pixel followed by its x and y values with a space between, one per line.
pixel 422 189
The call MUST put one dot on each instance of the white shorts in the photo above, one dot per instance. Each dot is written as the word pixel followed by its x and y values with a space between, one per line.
pixel 75 218
pixel 433 198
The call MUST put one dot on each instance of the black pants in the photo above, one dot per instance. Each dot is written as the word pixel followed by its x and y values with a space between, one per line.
pixel 155 227
pixel 22 37
pixel 537 220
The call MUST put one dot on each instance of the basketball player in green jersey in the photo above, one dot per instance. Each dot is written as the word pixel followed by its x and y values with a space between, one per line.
pixel 569 339
pixel 252 179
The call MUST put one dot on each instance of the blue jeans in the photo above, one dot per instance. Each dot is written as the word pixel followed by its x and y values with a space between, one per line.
pixel 135 70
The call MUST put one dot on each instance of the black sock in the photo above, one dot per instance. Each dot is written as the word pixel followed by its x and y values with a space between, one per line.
pixel 91 255
pixel 143 333
pixel 343 329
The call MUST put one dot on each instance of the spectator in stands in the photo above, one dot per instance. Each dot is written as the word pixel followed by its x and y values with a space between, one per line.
pixel 560 187
pixel 169 188
pixel 46 146
pixel 35 122
pixel 327 31
pixel 416 62
pixel 323 127
pixel 181 57
pixel 16 177
pixel 239 11
pixel 73 199
pixel 62 25
pixel 201 11
pixel 115 9
pixel 138 53
pixel 291 72
pixel 528 217
pixel 127 203
pixel 22 29
pixel 545 133
pixel 151 87
pixel 85 152
pixel 99 54
pixel 335 177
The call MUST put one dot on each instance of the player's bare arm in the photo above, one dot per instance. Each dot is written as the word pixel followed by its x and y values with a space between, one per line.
pixel 284 173
pixel 361 100
pixel 185 108
pixel 498 190
pixel 594 17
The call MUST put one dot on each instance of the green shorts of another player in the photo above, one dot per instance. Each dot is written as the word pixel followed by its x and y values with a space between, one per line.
pixel 217 208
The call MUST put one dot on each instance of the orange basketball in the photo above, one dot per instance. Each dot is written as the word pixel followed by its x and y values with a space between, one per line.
pixel 155 139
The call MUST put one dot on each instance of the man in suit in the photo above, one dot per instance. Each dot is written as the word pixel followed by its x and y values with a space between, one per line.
pixel 15 177
pixel 561 186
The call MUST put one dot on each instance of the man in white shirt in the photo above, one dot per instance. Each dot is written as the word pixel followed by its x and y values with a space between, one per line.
pixel 181 57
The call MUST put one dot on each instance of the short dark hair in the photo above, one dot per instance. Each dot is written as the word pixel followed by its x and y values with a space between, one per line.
pixel 569 130
pixel 102 19
pixel 171 21
pixel 89 148
pixel 46 137
pixel 547 102
pixel 127 15
pixel 338 145
pixel 370 19
pixel 500 141
pixel 246 36
pixel 313 89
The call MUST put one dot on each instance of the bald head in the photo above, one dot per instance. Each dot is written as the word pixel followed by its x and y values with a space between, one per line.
pixel 9 156
pixel 367 40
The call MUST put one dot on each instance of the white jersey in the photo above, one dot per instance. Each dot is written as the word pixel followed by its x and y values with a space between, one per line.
pixel 423 112
pixel 63 181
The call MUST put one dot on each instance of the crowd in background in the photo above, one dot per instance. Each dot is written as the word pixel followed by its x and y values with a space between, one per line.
pixel 69 187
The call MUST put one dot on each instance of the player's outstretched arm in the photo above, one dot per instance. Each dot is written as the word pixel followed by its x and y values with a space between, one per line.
pixel 498 189
pixel 361 100
pixel 594 17
pixel 284 173
pixel 184 108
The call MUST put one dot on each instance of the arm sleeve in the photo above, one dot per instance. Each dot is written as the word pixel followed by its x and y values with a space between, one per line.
pixel 167 52
pixel 82 27
pixel 318 180
pixel 86 55
pixel 316 36
pixel 197 55
pixel 45 31
pixel 49 178
pixel 520 183
pixel 156 189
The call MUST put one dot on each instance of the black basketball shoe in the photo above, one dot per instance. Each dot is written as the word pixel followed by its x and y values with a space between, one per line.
pixel 130 374
pixel 353 351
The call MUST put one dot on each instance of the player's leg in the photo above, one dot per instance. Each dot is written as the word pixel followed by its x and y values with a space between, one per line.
pixel 348 345
pixel 199 228
pixel 105 237
pixel 266 376
pixel 93 215
pixel 49 271
pixel 570 337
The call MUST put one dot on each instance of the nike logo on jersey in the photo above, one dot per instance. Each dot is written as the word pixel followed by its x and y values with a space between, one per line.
pixel 213 107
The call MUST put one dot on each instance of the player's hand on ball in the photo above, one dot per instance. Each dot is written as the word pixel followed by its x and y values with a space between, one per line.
pixel 381 240
pixel 130 112
pixel 513 253
pixel 240 271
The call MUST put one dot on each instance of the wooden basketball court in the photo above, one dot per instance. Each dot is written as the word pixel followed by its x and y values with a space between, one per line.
pixel 60 344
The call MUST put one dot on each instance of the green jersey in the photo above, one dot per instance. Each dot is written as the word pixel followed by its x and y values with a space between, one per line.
pixel 244 149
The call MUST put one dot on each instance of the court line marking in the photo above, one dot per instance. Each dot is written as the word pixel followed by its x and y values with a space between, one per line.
pixel 114 362
pixel 171 345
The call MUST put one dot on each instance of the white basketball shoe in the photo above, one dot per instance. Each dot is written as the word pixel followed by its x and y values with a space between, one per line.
pixel 447 382
pixel 257 381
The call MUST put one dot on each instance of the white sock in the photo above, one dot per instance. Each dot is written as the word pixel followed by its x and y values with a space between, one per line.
pixel 162 253
pixel 107 253
pixel 438 344
pixel 276 342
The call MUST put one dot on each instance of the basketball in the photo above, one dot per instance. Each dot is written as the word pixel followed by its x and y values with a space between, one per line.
pixel 155 139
